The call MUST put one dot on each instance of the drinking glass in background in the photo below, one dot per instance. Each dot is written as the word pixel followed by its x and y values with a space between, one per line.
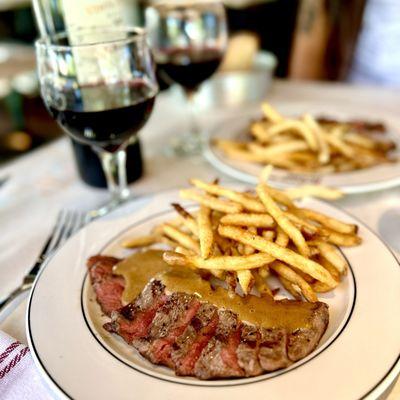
pixel 101 91
pixel 188 39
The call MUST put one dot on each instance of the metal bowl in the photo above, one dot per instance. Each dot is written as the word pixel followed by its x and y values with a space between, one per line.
pixel 236 88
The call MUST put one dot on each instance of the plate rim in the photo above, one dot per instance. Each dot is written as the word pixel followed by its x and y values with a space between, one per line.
pixel 378 389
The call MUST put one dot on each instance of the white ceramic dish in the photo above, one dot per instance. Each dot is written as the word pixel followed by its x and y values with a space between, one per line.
pixel 366 180
pixel 238 88
pixel 358 356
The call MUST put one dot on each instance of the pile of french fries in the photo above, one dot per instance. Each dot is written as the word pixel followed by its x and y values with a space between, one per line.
pixel 307 145
pixel 243 238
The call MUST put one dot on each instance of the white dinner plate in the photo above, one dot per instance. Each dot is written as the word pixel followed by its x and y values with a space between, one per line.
pixel 364 180
pixel 357 358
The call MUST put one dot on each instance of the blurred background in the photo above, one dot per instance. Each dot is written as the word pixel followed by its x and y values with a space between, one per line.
pixel 355 41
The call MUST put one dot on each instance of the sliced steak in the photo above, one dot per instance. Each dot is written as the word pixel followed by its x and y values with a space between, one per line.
pixel 195 338
pixel 107 286
pixel 273 352
pixel 133 321
pixel 248 350
pixel 169 323
pixel 302 342
pixel 189 346
pixel 219 358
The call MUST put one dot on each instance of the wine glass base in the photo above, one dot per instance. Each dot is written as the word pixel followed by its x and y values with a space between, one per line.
pixel 109 207
pixel 185 146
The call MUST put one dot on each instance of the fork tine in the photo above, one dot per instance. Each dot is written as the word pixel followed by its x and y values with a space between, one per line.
pixel 53 238
pixel 71 226
pixel 76 221
pixel 68 227
pixel 81 221
pixel 60 231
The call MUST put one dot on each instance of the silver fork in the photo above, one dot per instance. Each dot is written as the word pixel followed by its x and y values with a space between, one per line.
pixel 68 222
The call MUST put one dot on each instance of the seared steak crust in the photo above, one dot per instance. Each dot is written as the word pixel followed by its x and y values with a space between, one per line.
pixel 196 338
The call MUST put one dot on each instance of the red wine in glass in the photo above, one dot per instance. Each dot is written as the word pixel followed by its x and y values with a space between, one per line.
pixel 189 67
pixel 105 115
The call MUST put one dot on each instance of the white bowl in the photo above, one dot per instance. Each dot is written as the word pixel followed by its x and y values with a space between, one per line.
pixel 236 88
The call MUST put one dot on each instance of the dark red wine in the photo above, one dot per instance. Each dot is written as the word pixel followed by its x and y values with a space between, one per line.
pixel 105 115
pixel 189 68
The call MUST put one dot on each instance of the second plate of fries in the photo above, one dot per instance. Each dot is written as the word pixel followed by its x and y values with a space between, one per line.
pixel 310 144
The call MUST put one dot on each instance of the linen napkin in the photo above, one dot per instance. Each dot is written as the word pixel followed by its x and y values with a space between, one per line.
pixel 19 378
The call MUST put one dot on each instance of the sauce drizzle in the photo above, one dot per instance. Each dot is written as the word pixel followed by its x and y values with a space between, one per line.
pixel 140 268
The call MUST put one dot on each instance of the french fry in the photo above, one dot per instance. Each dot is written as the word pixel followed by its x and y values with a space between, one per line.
pixel 258 130
pixel 306 227
pixel 140 241
pixel 295 291
pixel 298 127
pixel 206 235
pixel 286 272
pixel 339 145
pixel 280 196
pixel 228 263
pixel 171 243
pixel 332 254
pixel 263 272
pixel 341 239
pixel 188 220
pixel 243 154
pixel 277 149
pixel 282 220
pixel 243 201
pixel 248 219
pixel 277 252
pixel 318 191
pixel 184 251
pixel 265 173
pixel 319 287
pixel 324 153
pixel 329 267
pixel 248 249
pixel 360 140
pixel 282 239
pixel 246 280
pixel 328 222
pixel 211 202
pixel 270 113
pixel 182 238
pixel 269 235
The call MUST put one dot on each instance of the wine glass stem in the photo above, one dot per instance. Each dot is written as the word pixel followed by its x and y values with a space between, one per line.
pixel 194 128
pixel 114 167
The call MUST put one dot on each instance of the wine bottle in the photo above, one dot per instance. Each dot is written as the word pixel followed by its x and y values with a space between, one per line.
pixel 54 16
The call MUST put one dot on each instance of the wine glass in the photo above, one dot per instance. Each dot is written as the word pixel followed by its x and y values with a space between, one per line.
pixel 188 39
pixel 100 86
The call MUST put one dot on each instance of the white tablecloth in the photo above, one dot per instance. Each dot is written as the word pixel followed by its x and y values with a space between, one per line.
pixel 45 181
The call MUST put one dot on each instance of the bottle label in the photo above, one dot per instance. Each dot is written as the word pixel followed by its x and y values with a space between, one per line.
pixel 99 65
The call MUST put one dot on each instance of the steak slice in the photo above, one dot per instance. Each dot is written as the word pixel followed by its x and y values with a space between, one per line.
pixel 248 350
pixel 302 342
pixel 272 349
pixel 194 337
pixel 189 346
pixel 133 321
pixel 107 286
pixel 169 323
pixel 219 358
